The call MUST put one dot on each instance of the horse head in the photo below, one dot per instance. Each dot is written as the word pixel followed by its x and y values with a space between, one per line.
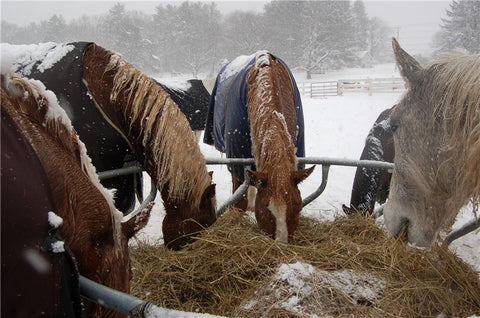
pixel 278 201
pixel 436 128
pixel 183 219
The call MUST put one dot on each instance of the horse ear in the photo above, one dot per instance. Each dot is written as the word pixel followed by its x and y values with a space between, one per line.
pixel 408 66
pixel 300 175
pixel 209 192
pixel 210 173
pixel 136 223
pixel 257 178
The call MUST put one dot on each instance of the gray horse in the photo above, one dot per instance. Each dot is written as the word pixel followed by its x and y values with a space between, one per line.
pixel 436 129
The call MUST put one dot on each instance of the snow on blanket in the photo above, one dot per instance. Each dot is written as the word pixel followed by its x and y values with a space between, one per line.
pixel 43 56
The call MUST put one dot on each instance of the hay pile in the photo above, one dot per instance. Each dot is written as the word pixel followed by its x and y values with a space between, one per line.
pixel 347 268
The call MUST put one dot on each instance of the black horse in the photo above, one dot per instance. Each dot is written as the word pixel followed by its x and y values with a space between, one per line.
pixel 193 99
pixel 370 184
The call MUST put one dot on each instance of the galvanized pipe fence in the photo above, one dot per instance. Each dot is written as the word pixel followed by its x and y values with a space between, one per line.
pixel 237 196
pixel 135 307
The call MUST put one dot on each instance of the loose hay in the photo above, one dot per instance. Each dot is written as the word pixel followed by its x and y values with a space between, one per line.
pixel 349 267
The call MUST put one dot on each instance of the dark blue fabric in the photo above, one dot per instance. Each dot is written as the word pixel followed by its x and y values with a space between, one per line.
pixel 228 125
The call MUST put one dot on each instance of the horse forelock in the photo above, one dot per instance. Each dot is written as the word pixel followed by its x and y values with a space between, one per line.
pixel 41 106
pixel 456 86
pixel 179 163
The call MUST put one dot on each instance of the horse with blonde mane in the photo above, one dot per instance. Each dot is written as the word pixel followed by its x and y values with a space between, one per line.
pixel 161 137
pixel 56 217
pixel 255 109
pixel 123 117
pixel 436 131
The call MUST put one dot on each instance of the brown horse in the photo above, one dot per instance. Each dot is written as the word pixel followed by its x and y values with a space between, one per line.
pixel 258 110
pixel 436 131
pixel 161 137
pixel 43 152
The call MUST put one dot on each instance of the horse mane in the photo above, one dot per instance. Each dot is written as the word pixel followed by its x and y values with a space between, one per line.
pixel 37 104
pixel 268 122
pixel 456 86
pixel 180 164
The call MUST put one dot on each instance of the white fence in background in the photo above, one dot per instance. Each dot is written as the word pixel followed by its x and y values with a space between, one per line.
pixel 340 87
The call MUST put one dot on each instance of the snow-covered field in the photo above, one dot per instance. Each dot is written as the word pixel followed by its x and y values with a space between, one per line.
pixel 335 127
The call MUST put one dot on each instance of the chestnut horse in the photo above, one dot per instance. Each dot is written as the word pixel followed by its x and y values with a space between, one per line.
pixel 124 116
pixel 255 109
pixel 436 131
pixel 161 137
pixel 45 170
pixel 372 185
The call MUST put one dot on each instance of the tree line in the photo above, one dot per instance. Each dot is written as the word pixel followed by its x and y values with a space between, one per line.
pixel 194 37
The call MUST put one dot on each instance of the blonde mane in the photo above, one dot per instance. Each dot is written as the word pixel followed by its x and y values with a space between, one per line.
pixel 272 144
pixel 40 106
pixel 180 164
pixel 456 84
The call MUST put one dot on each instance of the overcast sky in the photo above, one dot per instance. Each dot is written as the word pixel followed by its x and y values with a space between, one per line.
pixel 415 21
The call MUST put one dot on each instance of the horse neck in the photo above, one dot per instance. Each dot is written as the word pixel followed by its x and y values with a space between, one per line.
pixel 455 82
pixel 271 109
pixel 154 125
pixel 53 137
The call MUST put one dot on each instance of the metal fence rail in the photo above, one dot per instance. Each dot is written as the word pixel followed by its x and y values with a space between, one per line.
pixel 135 307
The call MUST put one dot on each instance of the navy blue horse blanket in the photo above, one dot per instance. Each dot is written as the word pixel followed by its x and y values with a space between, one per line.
pixel 228 125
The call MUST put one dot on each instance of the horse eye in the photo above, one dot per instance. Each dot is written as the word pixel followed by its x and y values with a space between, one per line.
pixel 393 125
pixel 262 183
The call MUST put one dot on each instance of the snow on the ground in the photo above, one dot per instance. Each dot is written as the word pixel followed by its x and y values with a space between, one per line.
pixel 293 285
pixel 335 127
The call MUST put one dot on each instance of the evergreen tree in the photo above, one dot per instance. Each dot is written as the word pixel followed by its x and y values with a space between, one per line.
pixel 86 28
pixel 190 33
pixel 243 34
pixel 122 32
pixel 284 29
pixel 361 25
pixel 461 28
pixel 379 40
pixel 54 30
